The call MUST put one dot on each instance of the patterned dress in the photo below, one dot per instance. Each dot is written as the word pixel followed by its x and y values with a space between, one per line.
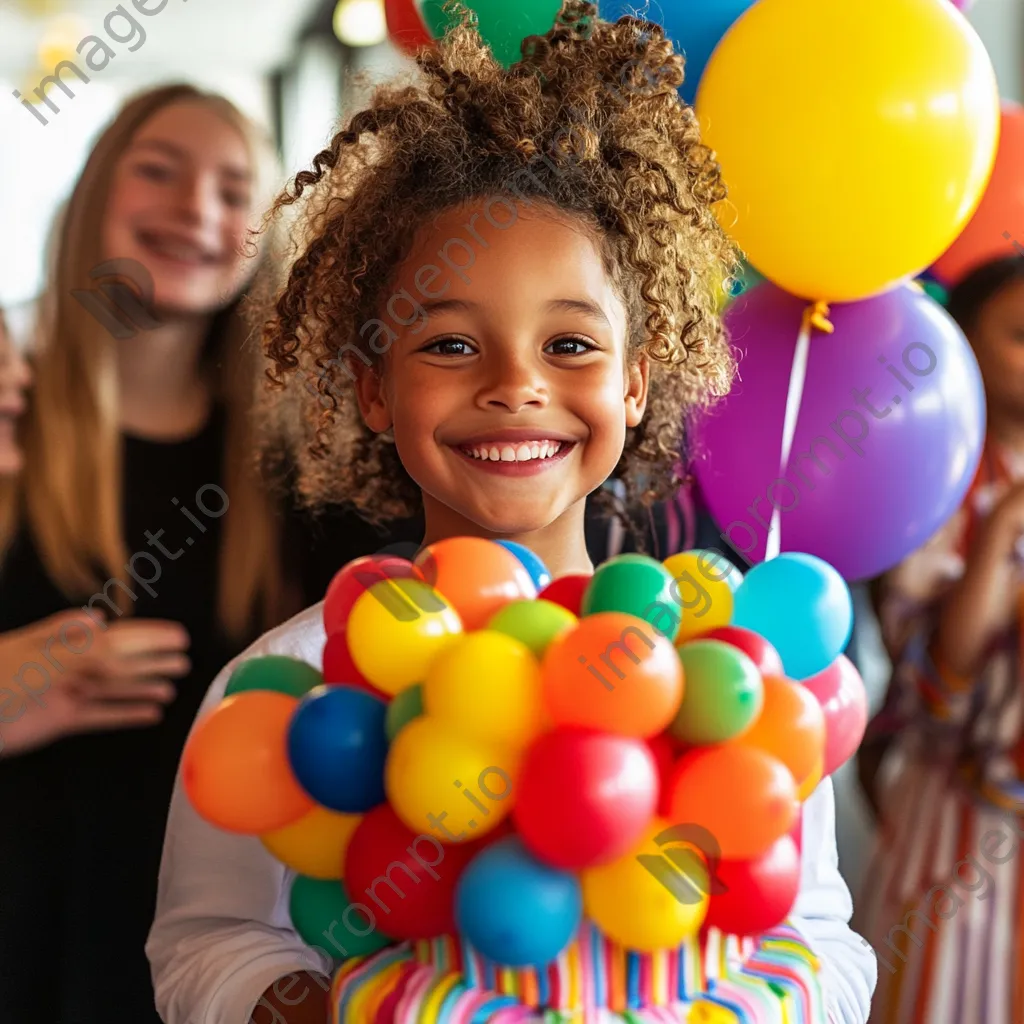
pixel 943 903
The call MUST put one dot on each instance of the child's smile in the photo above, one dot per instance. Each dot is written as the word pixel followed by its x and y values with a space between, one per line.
pixel 516 452
pixel 511 391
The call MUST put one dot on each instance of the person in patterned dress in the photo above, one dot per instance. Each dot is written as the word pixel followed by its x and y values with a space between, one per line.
pixel 943 900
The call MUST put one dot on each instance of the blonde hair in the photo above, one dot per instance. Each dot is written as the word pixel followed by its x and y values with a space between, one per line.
pixel 71 491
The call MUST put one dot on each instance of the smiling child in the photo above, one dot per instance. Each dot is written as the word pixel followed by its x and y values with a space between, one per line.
pixel 505 295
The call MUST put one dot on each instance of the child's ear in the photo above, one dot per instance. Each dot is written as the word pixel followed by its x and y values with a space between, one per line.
pixel 372 399
pixel 638 375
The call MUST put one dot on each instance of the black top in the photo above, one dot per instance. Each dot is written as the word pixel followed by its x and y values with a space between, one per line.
pixel 83 818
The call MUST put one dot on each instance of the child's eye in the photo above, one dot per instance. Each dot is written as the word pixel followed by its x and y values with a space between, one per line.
pixel 450 347
pixel 569 347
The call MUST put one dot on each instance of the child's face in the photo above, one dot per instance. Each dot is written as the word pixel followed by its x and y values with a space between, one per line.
pixel 513 347
pixel 998 341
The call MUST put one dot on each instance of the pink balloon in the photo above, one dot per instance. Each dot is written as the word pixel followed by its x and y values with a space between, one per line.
pixel 841 693
pixel 962 5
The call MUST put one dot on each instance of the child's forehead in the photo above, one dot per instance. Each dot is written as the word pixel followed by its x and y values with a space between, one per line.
pixel 507 243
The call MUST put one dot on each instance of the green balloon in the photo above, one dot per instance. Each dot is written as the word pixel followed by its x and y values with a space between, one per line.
pixel 503 24
pixel 534 623
pixel 935 291
pixel 318 909
pixel 402 709
pixel 275 672
pixel 638 585
pixel 722 693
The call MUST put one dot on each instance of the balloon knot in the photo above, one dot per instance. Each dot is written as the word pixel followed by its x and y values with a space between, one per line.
pixel 817 316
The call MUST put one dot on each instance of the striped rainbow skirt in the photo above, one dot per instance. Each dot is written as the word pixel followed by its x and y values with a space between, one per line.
pixel 718 980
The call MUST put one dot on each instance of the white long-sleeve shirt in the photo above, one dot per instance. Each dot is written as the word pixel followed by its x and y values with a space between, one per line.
pixel 223 934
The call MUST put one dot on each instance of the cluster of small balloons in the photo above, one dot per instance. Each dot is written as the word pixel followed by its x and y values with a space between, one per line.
pixel 498 754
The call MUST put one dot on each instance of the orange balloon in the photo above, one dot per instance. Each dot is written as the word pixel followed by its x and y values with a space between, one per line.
pixel 997 227
pixel 476 577
pixel 746 799
pixel 791 727
pixel 613 672
pixel 235 766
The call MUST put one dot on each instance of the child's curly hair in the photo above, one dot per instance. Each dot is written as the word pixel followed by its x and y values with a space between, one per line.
pixel 590 122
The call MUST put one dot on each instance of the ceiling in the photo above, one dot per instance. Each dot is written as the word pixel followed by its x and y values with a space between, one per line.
pixel 181 37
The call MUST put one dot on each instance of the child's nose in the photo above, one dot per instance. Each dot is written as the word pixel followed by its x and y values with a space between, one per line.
pixel 515 396
pixel 514 385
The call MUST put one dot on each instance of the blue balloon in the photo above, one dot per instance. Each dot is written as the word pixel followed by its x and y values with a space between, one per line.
pixel 337 747
pixel 801 606
pixel 515 910
pixel 531 563
pixel 696 27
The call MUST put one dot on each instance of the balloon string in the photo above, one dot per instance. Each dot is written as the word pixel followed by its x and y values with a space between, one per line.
pixel 815 317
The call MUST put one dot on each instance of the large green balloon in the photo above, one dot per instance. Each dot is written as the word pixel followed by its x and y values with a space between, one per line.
pixel 321 915
pixel 637 585
pixel 503 24
pixel 535 623
pixel 723 693
pixel 275 672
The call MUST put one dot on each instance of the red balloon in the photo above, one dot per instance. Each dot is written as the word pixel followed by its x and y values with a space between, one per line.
pixel 585 797
pixel 417 888
pixel 405 25
pixel 359 575
pixel 664 751
pixel 996 230
pixel 756 895
pixel 567 591
pixel 339 668
pixel 842 696
pixel 763 655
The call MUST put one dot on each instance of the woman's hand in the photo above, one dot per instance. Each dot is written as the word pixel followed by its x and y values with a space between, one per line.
pixel 984 603
pixel 120 680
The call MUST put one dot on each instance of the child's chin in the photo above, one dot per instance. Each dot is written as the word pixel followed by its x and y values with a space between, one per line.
pixel 514 523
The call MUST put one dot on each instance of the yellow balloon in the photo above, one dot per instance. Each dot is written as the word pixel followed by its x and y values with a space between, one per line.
pixel 396 629
pixel 315 845
pixel 631 903
pixel 704 584
pixel 487 686
pixel 810 784
pixel 855 139
pixel 442 783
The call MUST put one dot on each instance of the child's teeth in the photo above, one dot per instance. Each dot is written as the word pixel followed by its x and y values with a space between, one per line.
pixel 523 452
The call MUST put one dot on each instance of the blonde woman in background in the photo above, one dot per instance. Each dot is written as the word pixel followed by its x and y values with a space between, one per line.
pixel 137 501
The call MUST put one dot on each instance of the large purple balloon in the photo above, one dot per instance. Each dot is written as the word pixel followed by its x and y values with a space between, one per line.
pixel 889 435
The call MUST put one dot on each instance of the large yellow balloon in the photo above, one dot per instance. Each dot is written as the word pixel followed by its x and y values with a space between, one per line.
pixel 633 906
pixel 315 845
pixel 444 784
pixel 855 138
pixel 487 686
pixel 395 630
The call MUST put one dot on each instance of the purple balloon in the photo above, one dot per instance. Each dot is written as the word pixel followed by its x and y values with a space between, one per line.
pixel 894 409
